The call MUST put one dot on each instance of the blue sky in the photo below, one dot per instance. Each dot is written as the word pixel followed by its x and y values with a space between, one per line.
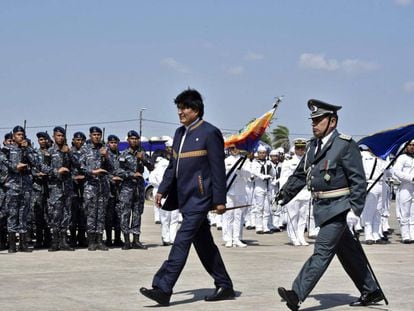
pixel 84 62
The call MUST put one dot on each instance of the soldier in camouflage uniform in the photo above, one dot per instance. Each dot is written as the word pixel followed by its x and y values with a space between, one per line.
pixel 40 192
pixel 96 164
pixel 112 218
pixel 4 167
pixel 130 168
pixel 19 188
pixel 78 221
pixel 60 189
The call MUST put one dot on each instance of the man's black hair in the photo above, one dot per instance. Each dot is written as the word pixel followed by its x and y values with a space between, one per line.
pixel 190 98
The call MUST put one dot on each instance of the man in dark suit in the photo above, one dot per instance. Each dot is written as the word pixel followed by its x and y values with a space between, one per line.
pixel 194 182
pixel 332 169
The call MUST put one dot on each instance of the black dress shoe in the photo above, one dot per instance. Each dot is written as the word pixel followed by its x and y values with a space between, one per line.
pixel 292 300
pixel 259 232
pixel 368 299
pixel 156 295
pixel 221 293
pixel 369 242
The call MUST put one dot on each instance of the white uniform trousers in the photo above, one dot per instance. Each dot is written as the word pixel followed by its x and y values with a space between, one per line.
pixel 249 215
pixel 296 221
pixel 406 211
pixel 262 209
pixel 232 225
pixel 169 225
pixel 372 213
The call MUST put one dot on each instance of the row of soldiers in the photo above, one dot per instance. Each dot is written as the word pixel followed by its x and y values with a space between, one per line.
pixel 258 179
pixel 85 189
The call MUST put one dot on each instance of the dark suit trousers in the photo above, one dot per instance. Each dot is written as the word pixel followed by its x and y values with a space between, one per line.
pixel 333 238
pixel 195 229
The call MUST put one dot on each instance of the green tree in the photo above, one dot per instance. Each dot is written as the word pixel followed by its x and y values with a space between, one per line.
pixel 281 137
pixel 266 139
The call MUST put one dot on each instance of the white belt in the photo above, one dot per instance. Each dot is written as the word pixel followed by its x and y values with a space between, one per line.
pixel 331 194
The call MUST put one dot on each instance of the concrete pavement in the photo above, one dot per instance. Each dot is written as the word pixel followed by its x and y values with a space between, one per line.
pixel 84 280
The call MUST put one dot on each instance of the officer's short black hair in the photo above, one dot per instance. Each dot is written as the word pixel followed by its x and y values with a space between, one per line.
pixel 190 98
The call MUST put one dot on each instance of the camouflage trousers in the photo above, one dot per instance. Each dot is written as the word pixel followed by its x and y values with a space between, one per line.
pixel 59 211
pixel 17 208
pixel 38 204
pixel 112 216
pixel 96 201
pixel 130 207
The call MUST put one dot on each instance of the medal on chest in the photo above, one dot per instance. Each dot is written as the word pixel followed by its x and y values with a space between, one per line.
pixel 326 176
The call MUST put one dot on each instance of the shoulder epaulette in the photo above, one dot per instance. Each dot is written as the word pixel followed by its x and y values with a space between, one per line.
pixel 345 137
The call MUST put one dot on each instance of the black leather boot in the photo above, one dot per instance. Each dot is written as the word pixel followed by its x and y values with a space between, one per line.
pixel 12 242
pixel 72 239
pixel 117 241
pixel 91 241
pixel 63 244
pixel 54 244
pixel 23 247
pixel 82 241
pixel 100 245
pixel 108 241
pixel 47 237
pixel 3 240
pixel 39 238
pixel 136 244
pixel 127 243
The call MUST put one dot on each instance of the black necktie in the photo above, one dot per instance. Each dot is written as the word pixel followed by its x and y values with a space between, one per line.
pixel 319 146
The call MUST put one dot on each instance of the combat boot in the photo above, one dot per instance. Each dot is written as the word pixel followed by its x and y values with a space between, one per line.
pixel 3 240
pixel 117 241
pixel 127 243
pixel 136 244
pixel 54 244
pixel 72 238
pixel 39 238
pixel 47 237
pixel 108 241
pixel 82 241
pixel 23 247
pixel 12 242
pixel 99 245
pixel 91 241
pixel 63 244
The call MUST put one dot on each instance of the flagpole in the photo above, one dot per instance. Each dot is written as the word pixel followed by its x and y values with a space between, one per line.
pixel 388 166
pixel 242 159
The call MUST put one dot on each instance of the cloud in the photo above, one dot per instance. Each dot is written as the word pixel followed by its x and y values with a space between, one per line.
pixel 408 86
pixel 173 64
pixel 320 62
pixel 403 2
pixel 253 56
pixel 235 70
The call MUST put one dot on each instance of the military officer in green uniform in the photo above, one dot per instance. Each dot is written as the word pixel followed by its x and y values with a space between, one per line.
pixel 333 172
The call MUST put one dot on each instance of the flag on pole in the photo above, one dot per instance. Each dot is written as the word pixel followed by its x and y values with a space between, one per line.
pixel 387 142
pixel 249 136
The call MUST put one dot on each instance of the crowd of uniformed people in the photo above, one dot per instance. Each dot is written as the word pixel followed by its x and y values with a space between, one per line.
pixel 92 195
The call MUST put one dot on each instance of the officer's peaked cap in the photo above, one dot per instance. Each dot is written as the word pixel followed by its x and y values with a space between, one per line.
pixel 299 142
pixel 319 108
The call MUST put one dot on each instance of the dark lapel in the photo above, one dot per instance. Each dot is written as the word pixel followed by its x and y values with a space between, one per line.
pixel 325 147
